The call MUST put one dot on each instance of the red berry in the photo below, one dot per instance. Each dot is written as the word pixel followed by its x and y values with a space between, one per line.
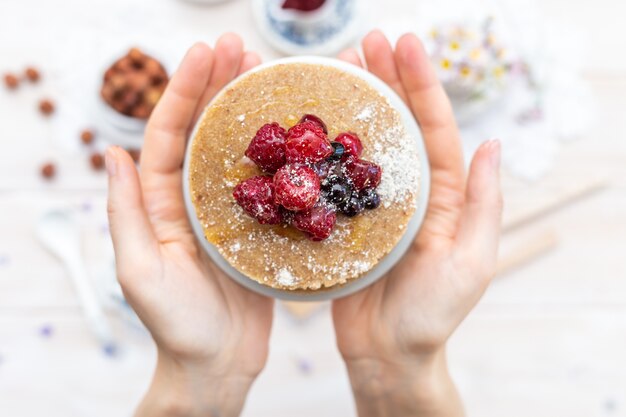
pixel 317 222
pixel 307 143
pixel 297 187
pixel 363 174
pixel 303 5
pixel 267 148
pixel 313 118
pixel 351 143
pixel 256 196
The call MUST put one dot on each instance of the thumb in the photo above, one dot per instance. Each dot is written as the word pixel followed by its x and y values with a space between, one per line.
pixel 479 229
pixel 130 228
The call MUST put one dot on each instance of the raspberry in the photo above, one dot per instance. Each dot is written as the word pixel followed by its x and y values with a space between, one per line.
pixel 267 148
pixel 297 187
pixel 256 196
pixel 307 143
pixel 351 143
pixel 317 222
pixel 303 5
pixel 363 174
pixel 313 118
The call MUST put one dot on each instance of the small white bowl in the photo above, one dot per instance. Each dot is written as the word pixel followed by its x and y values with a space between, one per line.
pixel 124 123
pixel 387 262
pixel 122 129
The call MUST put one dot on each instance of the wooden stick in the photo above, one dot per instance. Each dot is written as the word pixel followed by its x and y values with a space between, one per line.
pixel 552 204
pixel 532 248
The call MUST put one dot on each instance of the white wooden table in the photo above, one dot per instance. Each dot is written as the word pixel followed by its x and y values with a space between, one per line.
pixel 547 340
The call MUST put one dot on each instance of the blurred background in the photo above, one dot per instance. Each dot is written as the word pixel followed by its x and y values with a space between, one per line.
pixel 546 77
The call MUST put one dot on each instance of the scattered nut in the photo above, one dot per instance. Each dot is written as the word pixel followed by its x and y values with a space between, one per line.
pixel 32 74
pixel 87 136
pixel 97 161
pixel 134 153
pixel 46 107
pixel 48 170
pixel 11 81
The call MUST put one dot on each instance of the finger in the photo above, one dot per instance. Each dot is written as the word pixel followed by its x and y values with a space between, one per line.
pixel 351 56
pixel 164 144
pixel 432 109
pixel 228 56
pixel 249 61
pixel 133 238
pixel 479 228
pixel 381 62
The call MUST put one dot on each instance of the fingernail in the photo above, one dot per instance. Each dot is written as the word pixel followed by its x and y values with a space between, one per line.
pixel 495 150
pixel 110 161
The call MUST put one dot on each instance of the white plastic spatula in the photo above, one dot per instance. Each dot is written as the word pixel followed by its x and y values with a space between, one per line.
pixel 60 233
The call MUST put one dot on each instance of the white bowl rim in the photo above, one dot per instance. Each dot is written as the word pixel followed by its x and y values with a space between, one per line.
pixel 385 264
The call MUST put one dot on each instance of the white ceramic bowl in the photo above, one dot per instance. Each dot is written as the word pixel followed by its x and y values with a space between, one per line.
pixel 387 262
pixel 122 129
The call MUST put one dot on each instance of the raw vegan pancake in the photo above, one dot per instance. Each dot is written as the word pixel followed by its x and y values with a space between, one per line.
pixel 281 256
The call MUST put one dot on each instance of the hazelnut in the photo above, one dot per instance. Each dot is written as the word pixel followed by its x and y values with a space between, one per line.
pixel 97 161
pixel 134 153
pixel 157 80
pixel 109 73
pixel 87 136
pixel 46 107
pixel 141 111
pixel 48 170
pixel 32 74
pixel 118 82
pixel 123 64
pixel 120 107
pixel 131 98
pixel 152 96
pixel 153 66
pixel 137 57
pixel 138 81
pixel 11 81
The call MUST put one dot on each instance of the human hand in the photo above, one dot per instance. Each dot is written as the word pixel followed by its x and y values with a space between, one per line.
pixel 211 334
pixel 393 334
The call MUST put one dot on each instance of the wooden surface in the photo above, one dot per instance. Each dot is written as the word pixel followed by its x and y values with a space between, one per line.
pixel 547 340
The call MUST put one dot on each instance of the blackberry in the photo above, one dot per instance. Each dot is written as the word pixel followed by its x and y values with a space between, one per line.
pixel 370 198
pixel 336 190
pixel 339 151
pixel 352 206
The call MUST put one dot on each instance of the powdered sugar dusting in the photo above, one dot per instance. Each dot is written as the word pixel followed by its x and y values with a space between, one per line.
pixel 365 114
pixel 395 151
pixel 285 277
